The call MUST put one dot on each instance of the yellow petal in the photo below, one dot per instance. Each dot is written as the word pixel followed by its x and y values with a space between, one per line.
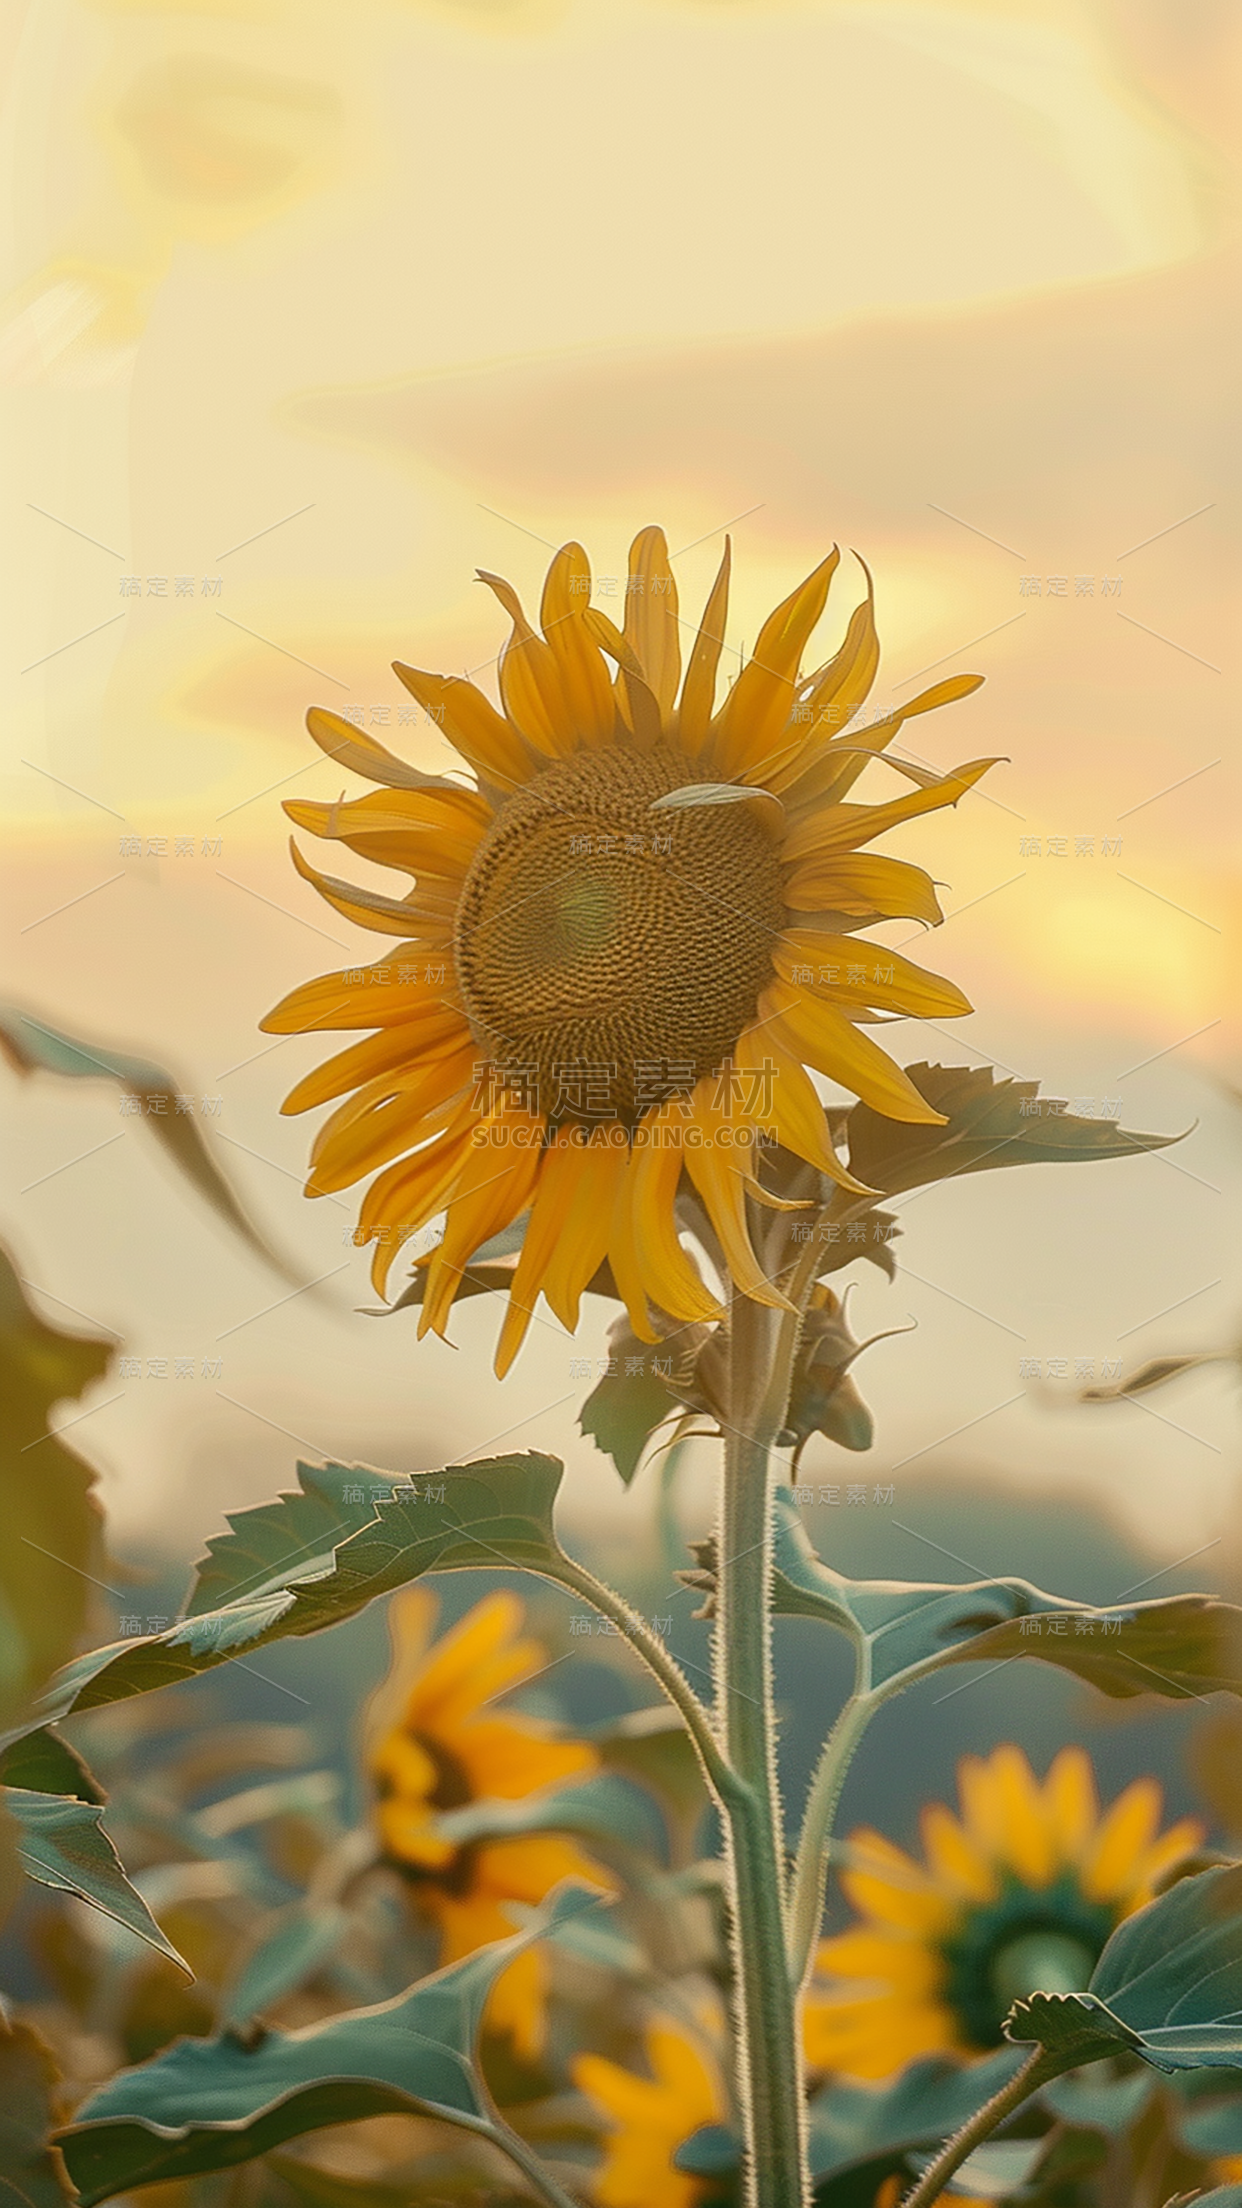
pixel 845 827
pixel 486 740
pixel 863 886
pixel 529 682
pixel 426 831
pixel 1123 1836
pixel 822 1037
pixel 385 1118
pixel 835 768
pixel 394 1050
pixel 365 907
pixel 584 681
pixel 412 1192
pixel 456 1675
pixel 652 628
pixel 750 730
pixel 1071 1803
pixel 842 968
pixel 567 1236
pixel 838 689
pixel 698 695
pixel 954 1858
pixel 672 1280
pixel 1029 1844
pixel 345 743
pixel 411 984
pixel 714 1162
pixel 791 1106
pixel 510 1760
pixel 496 1183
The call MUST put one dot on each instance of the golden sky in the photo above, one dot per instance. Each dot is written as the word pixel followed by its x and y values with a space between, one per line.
pixel 312 309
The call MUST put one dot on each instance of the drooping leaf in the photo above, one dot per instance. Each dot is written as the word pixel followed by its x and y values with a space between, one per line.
pixel 31 2172
pixel 213 2104
pixel 622 1413
pixel 1155 1373
pixel 1183 1646
pixel 853 2127
pixel 32 1046
pixel 52 1524
pixel 61 1842
pixel 290 1538
pixel 43 1763
pixel 991 1121
pixel 495 1512
pixel 1168 1987
pixel 290 1950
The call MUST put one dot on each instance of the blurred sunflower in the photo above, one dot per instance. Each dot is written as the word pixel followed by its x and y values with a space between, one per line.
pixel 650 2118
pixel 436 1746
pixel 599 979
pixel 1019 1895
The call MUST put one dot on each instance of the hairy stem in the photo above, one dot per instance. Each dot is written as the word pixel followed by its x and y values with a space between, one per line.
pixel 769 2066
pixel 1034 2072
pixel 717 1771
pixel 807 1905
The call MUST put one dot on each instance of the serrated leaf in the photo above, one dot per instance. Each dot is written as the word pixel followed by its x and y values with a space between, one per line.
pixel 622 1413
pixel 293 1537
pixel 855 2125
pixel 495 1512
pixel 52 1523
pixel 43 1763
pixel 32 1046
pixel 214 2104
pixel 30 2170
pixel 991 1121
pixel 61 1843
pixel 1182 1646
pixel 1168 1986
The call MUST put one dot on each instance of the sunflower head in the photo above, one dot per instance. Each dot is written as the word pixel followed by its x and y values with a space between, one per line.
pixel 436 1744
pixel 1016 1894
pixel 624 941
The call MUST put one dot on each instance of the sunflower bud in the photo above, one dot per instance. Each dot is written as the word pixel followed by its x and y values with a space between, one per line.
pixel 822 1396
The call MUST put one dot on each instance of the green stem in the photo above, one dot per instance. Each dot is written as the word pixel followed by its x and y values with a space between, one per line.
pixel 721 1778
pixel 1035 2071
pixel 807 1907
pixel 769 2065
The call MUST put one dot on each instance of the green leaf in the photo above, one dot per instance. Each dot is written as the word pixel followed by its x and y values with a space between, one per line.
pixel 31 2175
pixel 1181 1646
pixel 292 1537
pixel 290 1951
pixel 214 2104
pixel 999 2167
pixel 1168 1986
pixel 653 1746
pixel 62 1843
pixel 31 1046
pixel 607 1808
pixel 469 1517
pixel 990 1122
pixel 52 1524
pixel 856 2125
pixel 622 1413
pixel 43 1763
pixel 1094 2103
pixel 1221 2196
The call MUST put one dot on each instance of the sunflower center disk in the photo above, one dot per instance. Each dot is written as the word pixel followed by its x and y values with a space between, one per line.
pixel 609 956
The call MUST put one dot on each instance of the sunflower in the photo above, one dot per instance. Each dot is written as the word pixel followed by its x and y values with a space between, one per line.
pixel 626 940
pixel 436 1747
pixel 1018 1895
pixel 649 2118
